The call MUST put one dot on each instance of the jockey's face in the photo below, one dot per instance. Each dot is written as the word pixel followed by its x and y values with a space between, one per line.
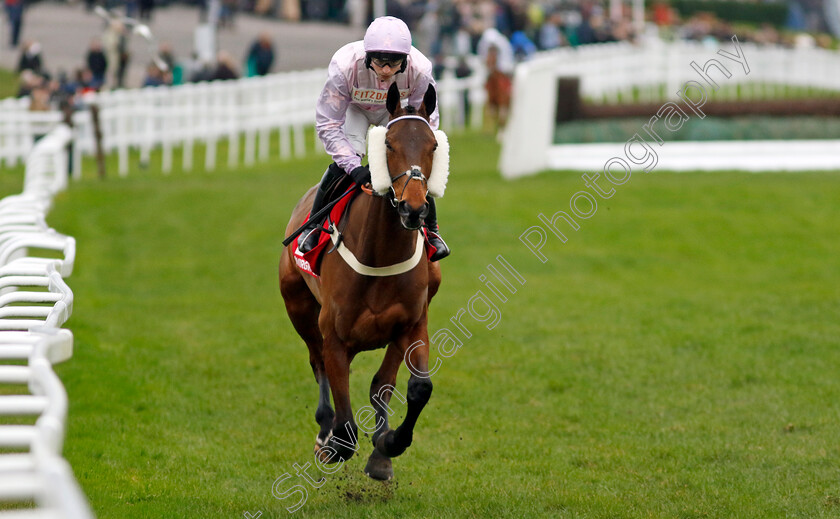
pixel 386 72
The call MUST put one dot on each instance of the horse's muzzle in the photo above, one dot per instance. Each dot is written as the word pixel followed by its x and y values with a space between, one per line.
pixel 412 217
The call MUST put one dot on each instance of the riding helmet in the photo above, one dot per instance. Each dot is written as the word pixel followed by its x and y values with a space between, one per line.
pixel 387 38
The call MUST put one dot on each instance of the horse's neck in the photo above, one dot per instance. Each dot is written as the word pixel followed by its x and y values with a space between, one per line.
pixel 374 233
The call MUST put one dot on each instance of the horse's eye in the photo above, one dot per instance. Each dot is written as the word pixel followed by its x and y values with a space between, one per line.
pixel 435 147
pixel 388 145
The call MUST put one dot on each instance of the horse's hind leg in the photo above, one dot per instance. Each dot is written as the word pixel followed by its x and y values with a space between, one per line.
pixel 303 310
pixel 381 388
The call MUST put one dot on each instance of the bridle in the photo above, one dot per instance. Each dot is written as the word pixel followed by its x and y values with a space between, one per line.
pixel 412 173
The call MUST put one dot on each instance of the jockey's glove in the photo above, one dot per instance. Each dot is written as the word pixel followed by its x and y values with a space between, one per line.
pixel 360 175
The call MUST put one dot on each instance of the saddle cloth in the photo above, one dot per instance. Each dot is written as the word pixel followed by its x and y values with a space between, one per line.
pixel 311 261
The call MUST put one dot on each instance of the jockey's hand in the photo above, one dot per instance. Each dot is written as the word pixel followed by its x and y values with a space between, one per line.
pixel 361 175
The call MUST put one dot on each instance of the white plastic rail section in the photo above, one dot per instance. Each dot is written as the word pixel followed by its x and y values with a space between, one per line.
pixel 35 480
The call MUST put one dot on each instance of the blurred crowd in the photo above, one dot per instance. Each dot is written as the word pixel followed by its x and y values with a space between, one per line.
pixel 499 32
pixel 106 60
pixel 455 27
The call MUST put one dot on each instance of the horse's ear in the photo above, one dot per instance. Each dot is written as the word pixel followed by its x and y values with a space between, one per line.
pixel 430 100
pixel 393 101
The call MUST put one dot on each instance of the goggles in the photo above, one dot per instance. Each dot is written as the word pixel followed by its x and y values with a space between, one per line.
pixel 390 60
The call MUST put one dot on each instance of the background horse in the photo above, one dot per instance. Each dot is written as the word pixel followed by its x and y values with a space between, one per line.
pixel 343 312
pixel 499 87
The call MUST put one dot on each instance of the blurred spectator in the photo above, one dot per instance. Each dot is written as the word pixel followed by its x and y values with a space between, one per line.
pixel 438 66
pixel 154 76
pixel 260 56
pixel 131 8
pixel 227 13
pixel 462 70
pixel 449 22
pixel 264 7
pixel 30 58
pixel 663 13
pixel 550 35
pixel 165 53
pixel 14 11
pixel 97 62
pixel 27 82
pixel 146 9
pixel 585 32
pixel 194 70
pixel 84 81
pixel 225 68
pixel 503 59
pixel 523 47
pixel 115 43
pixel 39 97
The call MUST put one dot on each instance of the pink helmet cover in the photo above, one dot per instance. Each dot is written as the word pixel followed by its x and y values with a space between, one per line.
pixel 388 34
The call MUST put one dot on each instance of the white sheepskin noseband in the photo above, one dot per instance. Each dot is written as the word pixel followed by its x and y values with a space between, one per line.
pixel 380 178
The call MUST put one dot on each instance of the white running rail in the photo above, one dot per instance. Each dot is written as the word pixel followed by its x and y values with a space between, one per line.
pixel 275 111
pixel 35 480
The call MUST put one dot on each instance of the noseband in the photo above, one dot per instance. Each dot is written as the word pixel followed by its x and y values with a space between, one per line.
pixel 413 173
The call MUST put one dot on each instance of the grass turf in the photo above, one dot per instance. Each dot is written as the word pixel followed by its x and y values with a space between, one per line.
pixel 676 358
pixel 8 83
pixel 708 129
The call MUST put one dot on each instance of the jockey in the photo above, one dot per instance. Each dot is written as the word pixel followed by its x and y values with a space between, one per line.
pixel 353 98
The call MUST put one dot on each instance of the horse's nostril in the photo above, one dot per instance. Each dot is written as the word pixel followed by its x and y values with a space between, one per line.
pixel 402 208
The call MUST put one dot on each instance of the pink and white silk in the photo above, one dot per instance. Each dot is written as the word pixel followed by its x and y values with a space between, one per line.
pixel 350 82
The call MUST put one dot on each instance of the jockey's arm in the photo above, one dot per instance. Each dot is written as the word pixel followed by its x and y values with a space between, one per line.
pixel 330 113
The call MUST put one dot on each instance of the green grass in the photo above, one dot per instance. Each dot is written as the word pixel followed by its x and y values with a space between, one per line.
pixel 676 358
pixel 695 129
pixel 8 83
pixel 752 91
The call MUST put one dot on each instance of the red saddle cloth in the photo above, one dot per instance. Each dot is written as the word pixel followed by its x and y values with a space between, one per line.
pixel 310 262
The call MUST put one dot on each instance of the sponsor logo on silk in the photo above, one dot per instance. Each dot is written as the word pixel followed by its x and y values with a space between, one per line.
pixel 373 96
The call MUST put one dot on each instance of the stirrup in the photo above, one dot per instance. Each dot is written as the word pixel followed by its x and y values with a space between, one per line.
pixel 304 244
pixel 442 249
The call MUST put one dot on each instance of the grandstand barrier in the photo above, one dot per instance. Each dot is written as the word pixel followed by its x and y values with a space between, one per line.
pixel 35 301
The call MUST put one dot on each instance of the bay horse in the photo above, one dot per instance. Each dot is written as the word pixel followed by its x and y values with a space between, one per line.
pixel 345 312
pixel 499 88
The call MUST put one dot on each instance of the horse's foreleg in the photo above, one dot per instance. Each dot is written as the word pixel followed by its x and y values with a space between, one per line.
pixel 324 414
pixel 414 348
pixel 381 388
pixel 341 443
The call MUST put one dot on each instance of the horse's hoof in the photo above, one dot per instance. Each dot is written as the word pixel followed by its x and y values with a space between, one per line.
pixel 328 456
pixel 387 445
pixel 379 467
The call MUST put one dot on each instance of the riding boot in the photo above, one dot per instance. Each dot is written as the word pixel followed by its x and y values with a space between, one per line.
pixel 434 233
pixel 309 237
